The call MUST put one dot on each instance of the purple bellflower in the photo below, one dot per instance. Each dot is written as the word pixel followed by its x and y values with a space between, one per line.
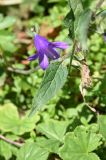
pixel 46 50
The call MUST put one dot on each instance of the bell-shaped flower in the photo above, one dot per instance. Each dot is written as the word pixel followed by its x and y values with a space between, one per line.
pixel 46 50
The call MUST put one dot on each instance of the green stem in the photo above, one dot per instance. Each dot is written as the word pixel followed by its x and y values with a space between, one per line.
pixel 72 55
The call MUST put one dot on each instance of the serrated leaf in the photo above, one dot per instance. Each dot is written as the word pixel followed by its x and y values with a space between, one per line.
pixel 82 28
pixel 7 22
pixel 53 129
pixel 79 145
pixel 52 145
pixel 31 151
pixel 54 79
pixel 5 150
pixel 102 125
pixel 11 122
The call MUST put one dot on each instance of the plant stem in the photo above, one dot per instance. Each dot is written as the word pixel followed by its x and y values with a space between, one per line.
pixel 72 55
pixel 98 5
pixel 20 71
pixel 10 141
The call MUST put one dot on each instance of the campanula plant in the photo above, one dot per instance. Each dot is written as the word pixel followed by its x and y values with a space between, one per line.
pixel 46 50
pixel 72 125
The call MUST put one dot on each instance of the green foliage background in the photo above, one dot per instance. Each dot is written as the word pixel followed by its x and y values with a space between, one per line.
pixel 65 128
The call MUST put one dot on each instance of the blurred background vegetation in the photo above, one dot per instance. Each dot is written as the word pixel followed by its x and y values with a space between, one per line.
pixel 18 84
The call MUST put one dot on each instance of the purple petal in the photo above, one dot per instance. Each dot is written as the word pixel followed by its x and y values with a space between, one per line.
pixel 40 42
pixel 61 45
pixel 52 53
pixel 33 57
pixel 43 61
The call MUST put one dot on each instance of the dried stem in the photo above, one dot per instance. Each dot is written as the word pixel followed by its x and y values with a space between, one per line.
pixel 20 71
pixel 10 2
pixel 10 141
pixel 91 108
pixel 27 72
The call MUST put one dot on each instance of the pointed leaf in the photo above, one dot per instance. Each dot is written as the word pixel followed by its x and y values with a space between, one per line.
pixel 77 7
pixel 82 28
pixel 53 80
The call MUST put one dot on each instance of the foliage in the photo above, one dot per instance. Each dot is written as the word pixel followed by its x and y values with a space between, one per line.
pixel 62 115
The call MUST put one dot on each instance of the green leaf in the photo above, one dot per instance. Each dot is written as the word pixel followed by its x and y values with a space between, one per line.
pixel 54 79
pixel 7 22
pixel 52 145
pixel 102 125
pixel 69 23
pixel 79 145
pixel 11 122
pixel 53 129
pixel 31 151
pixel 88 3
pixel 5 150
pixel 82 28
pixel 1 17
pixel 69 18
pixel 77 7
pixel 6 42
pixel 102 13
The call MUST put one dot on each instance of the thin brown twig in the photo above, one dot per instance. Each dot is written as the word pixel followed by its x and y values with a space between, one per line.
pixel 91 108
pixel 20 71
pixel 10 2
pixel 27 72
pixel 10 141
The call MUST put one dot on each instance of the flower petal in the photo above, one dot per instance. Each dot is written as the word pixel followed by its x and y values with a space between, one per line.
pixel 33 57
pixel 61 45
pixel 43 61
pixel 52 53
pixel 40 42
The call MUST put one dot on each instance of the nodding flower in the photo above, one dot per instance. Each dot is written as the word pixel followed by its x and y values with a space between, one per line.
pixel 46 50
